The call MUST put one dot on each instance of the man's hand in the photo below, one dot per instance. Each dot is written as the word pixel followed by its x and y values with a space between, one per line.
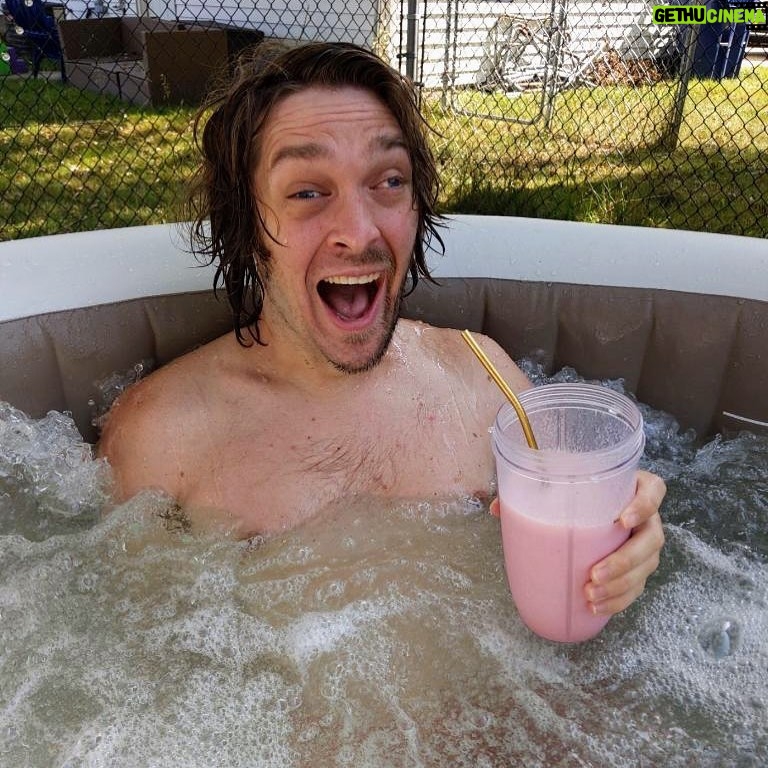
pixel 617 580
pixel 620 578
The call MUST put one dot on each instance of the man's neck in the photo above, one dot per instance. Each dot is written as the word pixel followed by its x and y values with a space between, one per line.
pixel 285 364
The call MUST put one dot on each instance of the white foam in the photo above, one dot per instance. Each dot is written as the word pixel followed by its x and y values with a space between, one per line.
pixel 47 474
pixel 381 636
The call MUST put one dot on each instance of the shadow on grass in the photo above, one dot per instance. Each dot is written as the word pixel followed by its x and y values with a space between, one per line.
pixel 716 191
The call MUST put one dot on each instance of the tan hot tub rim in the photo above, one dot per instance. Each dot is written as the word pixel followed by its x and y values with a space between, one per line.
pixel 681 316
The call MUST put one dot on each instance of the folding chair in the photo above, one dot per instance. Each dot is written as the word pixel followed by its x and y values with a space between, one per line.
pixel 36 30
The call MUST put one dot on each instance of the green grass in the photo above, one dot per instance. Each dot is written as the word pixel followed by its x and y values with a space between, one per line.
pixel 604 157
pixel 72 160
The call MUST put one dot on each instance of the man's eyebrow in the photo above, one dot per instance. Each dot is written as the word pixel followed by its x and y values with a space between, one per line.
pixel 388 141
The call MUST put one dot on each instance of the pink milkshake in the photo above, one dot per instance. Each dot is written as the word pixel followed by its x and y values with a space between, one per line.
pixel 559 504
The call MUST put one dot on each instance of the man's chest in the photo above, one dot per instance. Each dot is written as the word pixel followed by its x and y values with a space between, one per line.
pixel 278 474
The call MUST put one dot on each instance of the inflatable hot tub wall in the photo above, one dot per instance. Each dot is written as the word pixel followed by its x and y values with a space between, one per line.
pixel 681 316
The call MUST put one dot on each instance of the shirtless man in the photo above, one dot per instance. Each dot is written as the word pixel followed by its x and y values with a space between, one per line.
pixel 320 190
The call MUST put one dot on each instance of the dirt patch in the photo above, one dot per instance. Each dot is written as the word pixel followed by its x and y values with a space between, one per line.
pixel 611 69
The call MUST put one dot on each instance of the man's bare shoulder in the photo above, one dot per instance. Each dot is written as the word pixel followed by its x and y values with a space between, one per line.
pixel 152 429
pixel 170 391
pixel 448 347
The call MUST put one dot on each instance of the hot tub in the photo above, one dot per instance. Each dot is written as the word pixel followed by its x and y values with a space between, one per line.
pixel 383 635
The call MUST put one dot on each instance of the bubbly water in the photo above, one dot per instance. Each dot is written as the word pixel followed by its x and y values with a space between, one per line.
pixel 373 636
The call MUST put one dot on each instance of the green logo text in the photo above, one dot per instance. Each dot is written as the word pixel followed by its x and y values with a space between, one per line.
pixel 700 14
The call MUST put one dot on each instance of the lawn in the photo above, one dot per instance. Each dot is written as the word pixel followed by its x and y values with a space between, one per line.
pixel 72 160
pixel 605 156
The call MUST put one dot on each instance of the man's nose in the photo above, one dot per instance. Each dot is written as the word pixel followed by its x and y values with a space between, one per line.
pixel 354 223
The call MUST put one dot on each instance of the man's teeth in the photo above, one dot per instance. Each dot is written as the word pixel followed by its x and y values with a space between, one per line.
pixel 352 279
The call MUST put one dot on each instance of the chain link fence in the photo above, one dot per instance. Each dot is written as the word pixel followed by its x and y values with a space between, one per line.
pixel 571 109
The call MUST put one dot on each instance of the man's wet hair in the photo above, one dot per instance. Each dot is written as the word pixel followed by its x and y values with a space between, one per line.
pixel 226 226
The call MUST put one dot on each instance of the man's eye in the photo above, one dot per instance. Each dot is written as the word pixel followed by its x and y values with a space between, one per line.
pixel 394 182
pixel 305 194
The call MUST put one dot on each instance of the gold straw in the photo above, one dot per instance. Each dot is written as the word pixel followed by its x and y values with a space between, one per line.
pixel 504 387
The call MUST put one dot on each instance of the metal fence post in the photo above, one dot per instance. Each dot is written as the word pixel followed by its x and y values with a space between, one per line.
pixel 672 134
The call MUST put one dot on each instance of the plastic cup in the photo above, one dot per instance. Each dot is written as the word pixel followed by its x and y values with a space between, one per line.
pixel 560 504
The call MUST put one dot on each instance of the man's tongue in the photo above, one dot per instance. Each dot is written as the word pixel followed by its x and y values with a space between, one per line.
pixel 349 302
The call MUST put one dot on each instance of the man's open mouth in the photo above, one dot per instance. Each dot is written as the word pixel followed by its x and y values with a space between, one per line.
pixel 350 297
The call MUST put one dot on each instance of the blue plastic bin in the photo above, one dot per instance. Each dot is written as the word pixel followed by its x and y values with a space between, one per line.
pixel 720 47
